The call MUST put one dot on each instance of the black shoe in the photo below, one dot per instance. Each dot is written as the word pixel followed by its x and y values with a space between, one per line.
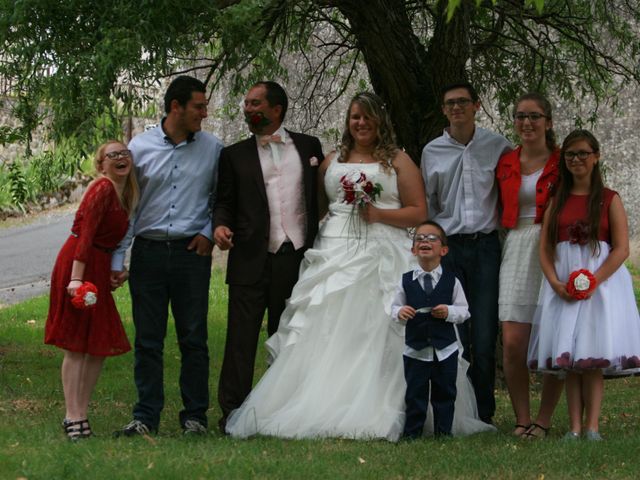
pixel 135 427
pixel 487 420
pixel 193 428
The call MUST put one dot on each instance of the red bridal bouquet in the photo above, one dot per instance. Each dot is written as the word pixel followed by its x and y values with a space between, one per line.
pixel 358 190
pixel 581 283
pixel 86 296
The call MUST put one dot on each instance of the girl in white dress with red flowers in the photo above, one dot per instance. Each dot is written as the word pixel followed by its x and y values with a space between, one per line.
pixel 586 325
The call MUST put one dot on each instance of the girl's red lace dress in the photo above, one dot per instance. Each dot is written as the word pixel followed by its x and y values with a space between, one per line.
pixel 99 225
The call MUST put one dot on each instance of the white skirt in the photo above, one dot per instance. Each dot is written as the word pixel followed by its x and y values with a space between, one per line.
pixel 520 274
pixel 602 332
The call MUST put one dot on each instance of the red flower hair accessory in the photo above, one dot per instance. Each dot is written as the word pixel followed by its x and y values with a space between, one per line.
pixel 86 296
pixel 581 283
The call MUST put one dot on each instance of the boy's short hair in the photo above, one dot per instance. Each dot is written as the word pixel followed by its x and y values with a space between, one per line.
pixel 443 235
pixel 453 86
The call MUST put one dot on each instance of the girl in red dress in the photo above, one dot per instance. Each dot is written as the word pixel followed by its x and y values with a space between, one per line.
pixel 584 332
pixel 89 335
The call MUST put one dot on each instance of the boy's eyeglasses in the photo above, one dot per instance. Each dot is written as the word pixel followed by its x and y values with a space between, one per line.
pixel 430 237
pixel 461 102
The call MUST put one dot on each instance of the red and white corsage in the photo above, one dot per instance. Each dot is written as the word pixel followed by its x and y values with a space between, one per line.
pixel 86 296
pixel 581 283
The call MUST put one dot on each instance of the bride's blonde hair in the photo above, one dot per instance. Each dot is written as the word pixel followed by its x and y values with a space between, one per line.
pixel 385 149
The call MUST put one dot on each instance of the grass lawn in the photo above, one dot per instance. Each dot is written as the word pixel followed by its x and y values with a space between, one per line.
pixel 32 444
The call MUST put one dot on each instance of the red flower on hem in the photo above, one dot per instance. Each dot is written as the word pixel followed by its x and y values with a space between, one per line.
pixel 86 296
pixel 581 283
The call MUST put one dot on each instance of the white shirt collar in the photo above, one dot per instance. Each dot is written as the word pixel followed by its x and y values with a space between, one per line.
pixel 436 273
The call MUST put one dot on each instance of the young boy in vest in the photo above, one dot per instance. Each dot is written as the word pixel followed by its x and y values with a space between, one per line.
pixel 430 301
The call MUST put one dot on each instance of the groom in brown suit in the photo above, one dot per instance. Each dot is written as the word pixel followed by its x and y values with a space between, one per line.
pixel 266 214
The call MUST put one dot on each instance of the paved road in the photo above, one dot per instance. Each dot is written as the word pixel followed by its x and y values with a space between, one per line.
pixel 27 255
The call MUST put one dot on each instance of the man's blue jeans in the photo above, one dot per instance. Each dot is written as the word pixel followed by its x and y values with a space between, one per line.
pixel 475 258
pixel 164 273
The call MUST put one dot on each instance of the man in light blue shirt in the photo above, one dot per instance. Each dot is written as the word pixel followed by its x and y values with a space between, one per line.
pixel 459 174
pixel 176 166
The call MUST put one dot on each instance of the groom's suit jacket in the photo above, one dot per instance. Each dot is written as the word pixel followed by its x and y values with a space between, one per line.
pixel 242 205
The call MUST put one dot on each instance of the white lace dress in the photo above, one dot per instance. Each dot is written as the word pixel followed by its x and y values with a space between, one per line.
pixel 337 369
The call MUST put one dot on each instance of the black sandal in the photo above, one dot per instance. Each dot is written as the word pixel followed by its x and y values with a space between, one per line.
pixel 76 429
pixel 524 429
pixel 531 431
pixel 86 429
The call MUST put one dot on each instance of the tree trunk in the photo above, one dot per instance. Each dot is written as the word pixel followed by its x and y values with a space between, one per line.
pixel 405 75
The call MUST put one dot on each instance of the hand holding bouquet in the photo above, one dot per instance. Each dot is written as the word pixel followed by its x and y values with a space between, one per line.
pixel 86 296
pixel 358 190
pixel 581 283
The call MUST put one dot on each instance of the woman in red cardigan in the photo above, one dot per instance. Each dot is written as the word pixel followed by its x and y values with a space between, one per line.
pixel 526 178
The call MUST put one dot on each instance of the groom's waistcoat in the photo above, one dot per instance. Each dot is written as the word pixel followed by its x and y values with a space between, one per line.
pixel 423 330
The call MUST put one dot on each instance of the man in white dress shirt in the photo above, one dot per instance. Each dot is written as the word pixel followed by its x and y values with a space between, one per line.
pixel 459 174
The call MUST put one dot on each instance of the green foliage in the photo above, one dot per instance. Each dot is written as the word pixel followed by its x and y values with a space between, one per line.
pixel 25 179
pixel 72 62
pixel 18 185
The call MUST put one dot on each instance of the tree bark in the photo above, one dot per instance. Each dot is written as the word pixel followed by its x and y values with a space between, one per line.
pixel 405 75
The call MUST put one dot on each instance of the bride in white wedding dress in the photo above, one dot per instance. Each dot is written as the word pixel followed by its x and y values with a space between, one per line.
pixel 337 368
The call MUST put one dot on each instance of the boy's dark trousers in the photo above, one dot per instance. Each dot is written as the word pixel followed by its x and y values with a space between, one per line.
pixel 441 376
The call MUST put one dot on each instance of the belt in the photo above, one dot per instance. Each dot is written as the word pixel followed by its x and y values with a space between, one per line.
pixel 102 249
pixel 471 236
pixel 177 242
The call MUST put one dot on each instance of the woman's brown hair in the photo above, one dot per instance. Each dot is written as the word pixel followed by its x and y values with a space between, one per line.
pixel 565 184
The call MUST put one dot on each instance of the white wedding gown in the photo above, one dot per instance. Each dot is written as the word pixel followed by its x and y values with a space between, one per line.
pixel 338 369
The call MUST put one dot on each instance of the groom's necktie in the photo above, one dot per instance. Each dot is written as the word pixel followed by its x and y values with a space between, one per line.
pixel 273 141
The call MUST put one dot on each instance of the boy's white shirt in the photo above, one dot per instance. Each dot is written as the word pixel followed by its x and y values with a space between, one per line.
pixel 458 313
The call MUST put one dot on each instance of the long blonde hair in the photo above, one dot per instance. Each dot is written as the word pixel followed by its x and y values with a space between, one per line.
pixel 385 149
pixel 131 192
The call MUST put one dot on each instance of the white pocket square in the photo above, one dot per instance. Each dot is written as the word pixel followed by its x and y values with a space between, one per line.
pixel 313 161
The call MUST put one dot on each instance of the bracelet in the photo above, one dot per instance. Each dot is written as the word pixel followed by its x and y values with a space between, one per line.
pixel 75 280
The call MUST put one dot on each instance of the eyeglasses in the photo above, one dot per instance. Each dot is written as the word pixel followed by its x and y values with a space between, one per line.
pixel 532 116
pixel 429 237
pixel 462 102
pixel 116 155
pixel 582 155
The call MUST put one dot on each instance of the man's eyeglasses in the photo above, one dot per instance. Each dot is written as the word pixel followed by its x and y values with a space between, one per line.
pixel 116 155
pixel 532 116
pixel 582 155
pixel 429 237
pixel 462 102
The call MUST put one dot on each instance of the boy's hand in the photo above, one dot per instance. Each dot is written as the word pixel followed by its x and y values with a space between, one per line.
pixel 440 311
pixel 406 313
